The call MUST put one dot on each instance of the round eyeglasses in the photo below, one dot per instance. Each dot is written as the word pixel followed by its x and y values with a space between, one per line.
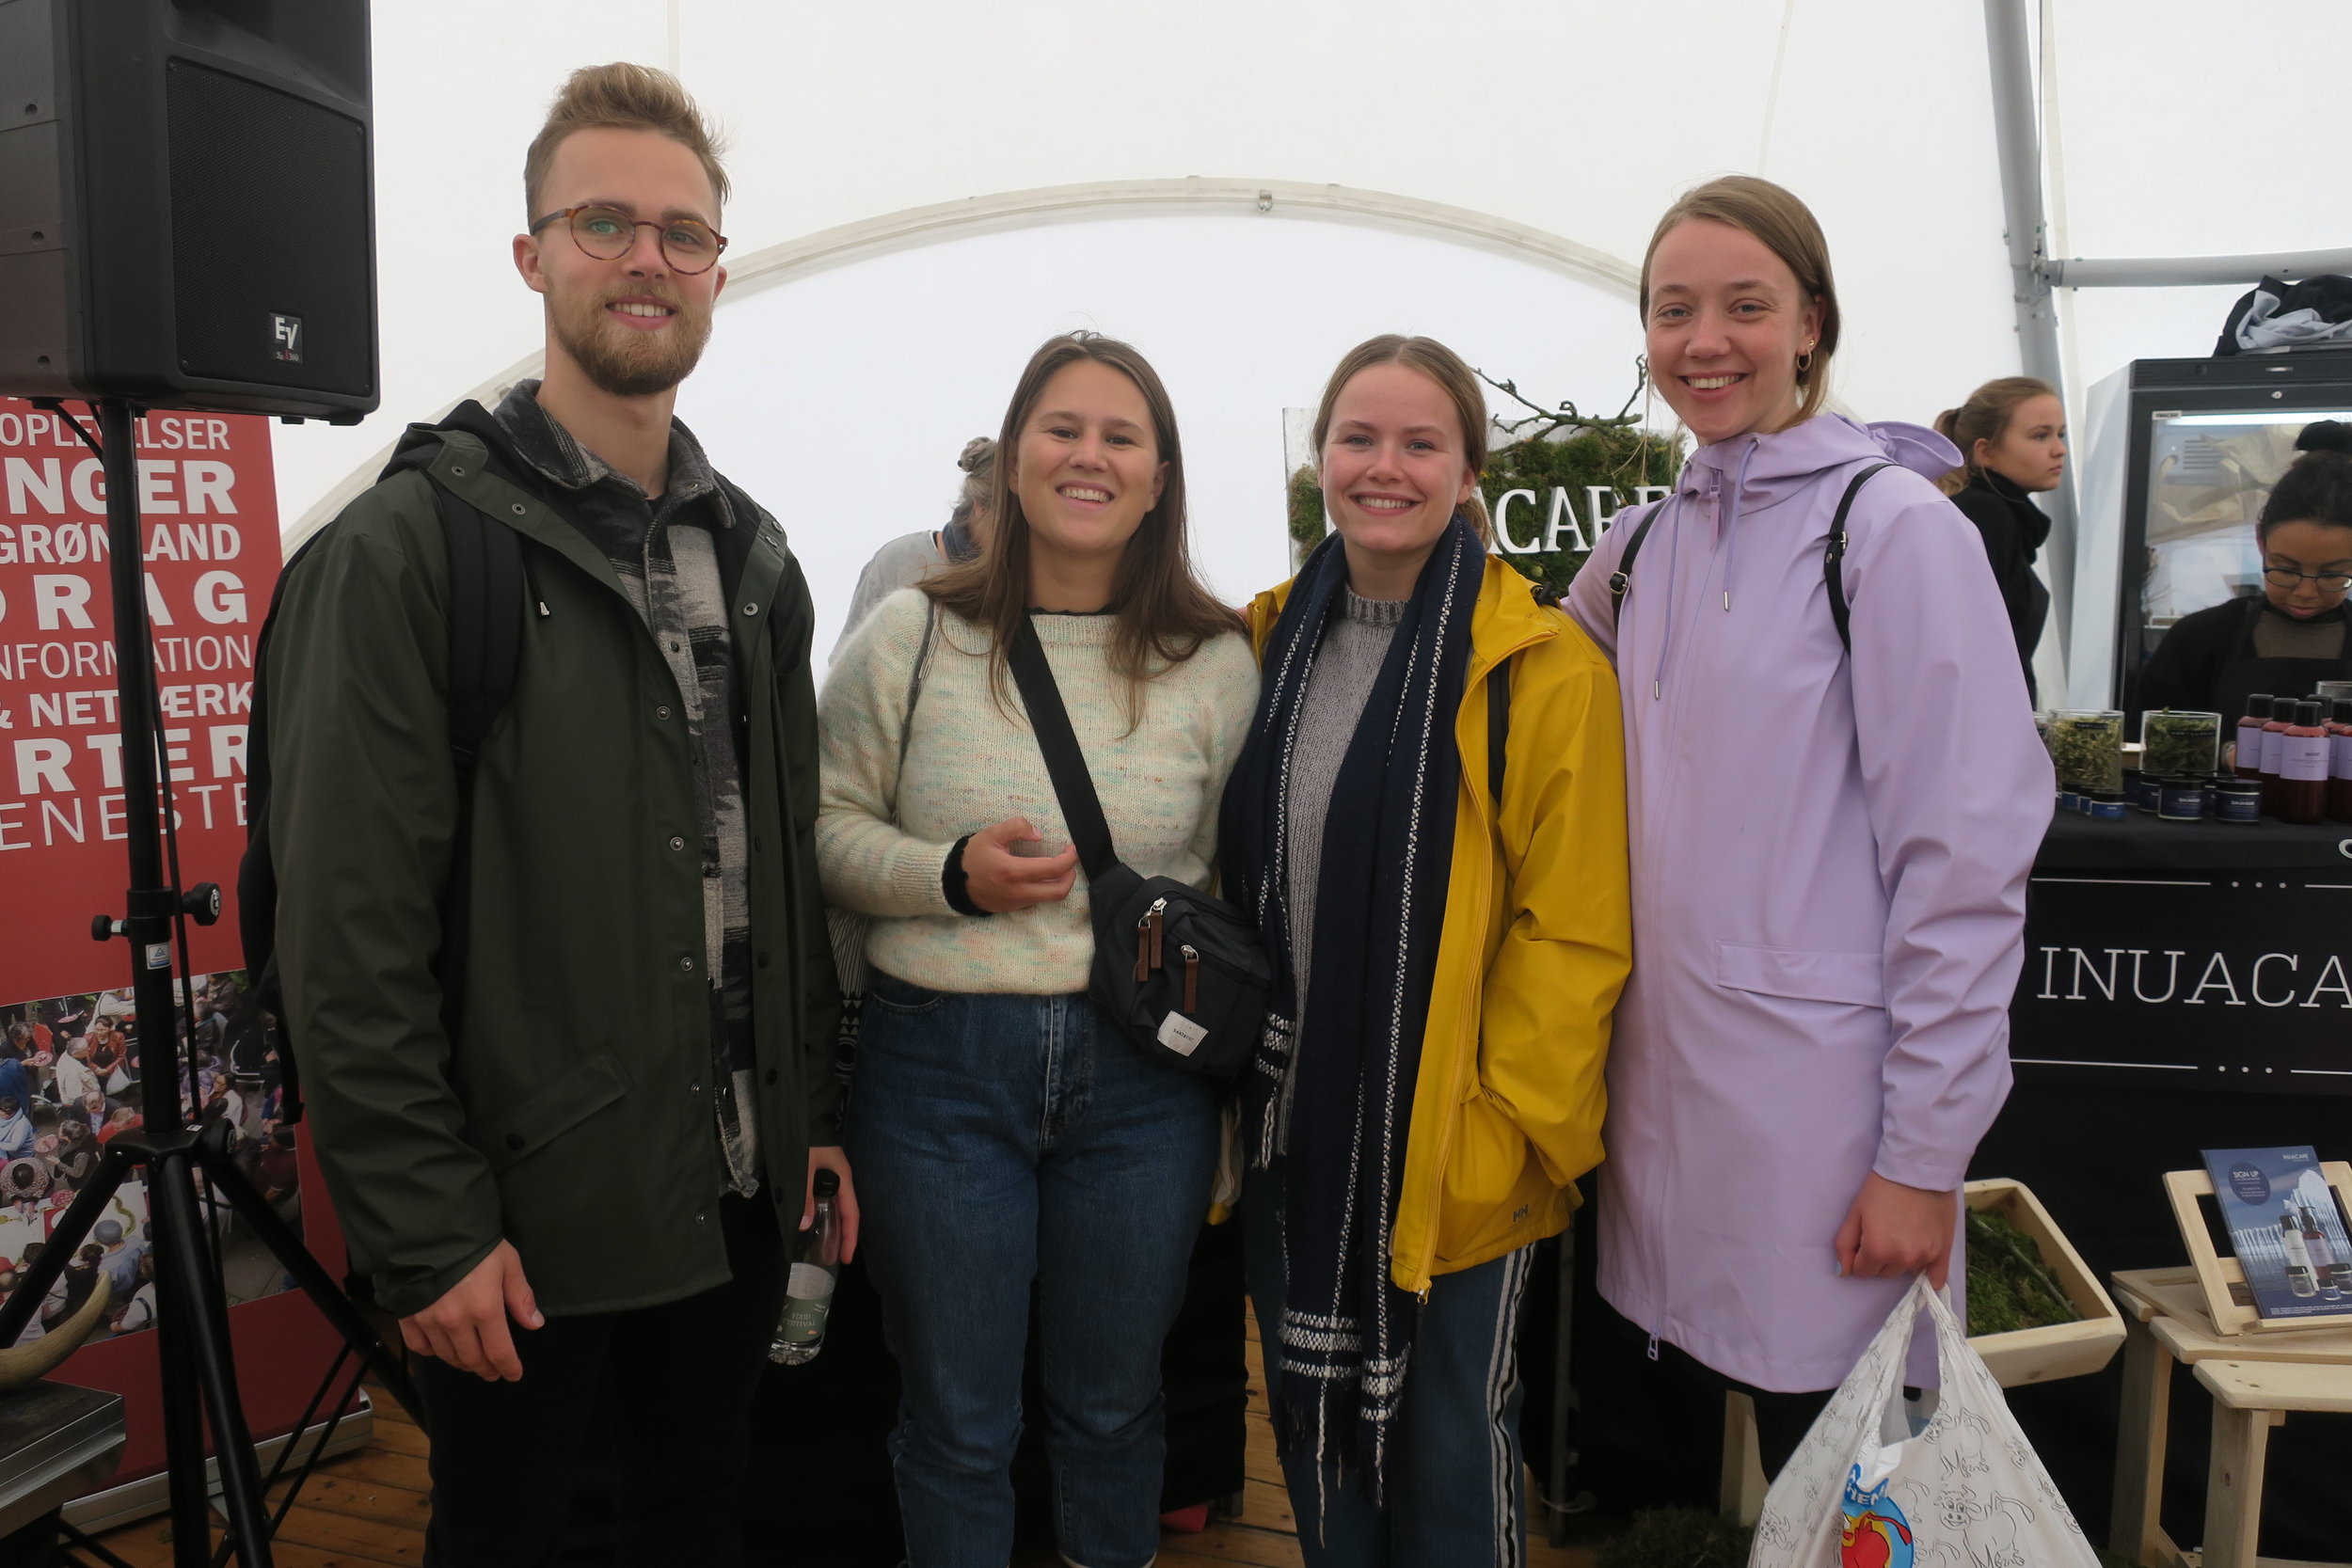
pixel 607 234
pixel 2289 579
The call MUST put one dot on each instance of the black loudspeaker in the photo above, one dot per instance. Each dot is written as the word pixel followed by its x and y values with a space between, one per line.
pixel 186 204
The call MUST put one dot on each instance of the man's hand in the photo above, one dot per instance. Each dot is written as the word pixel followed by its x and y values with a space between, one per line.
pixel 845 1203
pixel 1893 1230
pixel 1001 881
pixel 468 1326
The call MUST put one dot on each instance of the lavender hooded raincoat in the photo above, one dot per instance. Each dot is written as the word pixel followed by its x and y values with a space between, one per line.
pixel 1829 863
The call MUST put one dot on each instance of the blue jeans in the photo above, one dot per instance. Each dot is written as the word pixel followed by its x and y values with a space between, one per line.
pixel 997 1140
pixel 1456 1483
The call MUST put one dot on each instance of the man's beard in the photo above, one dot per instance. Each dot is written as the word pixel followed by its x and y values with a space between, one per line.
pixel 624 361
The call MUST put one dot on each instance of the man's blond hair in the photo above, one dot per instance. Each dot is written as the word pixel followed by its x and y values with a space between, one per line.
pixel 626 97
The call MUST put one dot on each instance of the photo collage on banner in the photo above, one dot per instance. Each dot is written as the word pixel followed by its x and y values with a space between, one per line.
pixel 71 1059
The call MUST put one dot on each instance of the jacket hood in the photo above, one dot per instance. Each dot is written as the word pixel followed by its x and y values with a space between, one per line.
pixel 419 444
pixel 1779 464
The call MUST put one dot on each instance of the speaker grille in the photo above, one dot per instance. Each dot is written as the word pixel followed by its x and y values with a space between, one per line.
pixel 269 226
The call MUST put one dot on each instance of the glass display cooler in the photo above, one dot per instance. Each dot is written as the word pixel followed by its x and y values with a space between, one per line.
pixel 2177 458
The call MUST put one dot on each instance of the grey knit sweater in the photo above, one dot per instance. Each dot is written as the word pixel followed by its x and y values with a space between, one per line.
pixel 1348 662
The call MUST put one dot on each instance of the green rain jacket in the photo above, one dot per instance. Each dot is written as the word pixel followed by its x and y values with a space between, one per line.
pixel 550 1083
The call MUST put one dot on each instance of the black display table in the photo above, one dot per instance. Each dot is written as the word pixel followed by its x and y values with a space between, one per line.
pixel 2184 988
pixel 2180 955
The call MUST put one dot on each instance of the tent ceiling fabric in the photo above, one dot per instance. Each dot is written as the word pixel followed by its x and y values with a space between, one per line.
pixel 2176 132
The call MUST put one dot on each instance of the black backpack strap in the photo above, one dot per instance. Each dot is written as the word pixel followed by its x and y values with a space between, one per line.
pixel 1622 578
pixel 1498 728
pixel 1064 763
pixel 1833 561
pixel 486 613
pixel 256 870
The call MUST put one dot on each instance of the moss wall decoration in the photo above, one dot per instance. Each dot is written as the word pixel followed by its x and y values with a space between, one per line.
pixel 1564 465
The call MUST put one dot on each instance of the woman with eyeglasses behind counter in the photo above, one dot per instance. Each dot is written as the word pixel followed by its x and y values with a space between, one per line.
pixel 2293 633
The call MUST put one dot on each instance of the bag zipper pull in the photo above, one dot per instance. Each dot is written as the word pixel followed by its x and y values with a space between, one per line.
pixel 1192 978
pixel 1158 917
pixel 1653 1347
pixel 1143 947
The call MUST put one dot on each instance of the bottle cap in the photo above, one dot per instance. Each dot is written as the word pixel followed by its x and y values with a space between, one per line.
pixel 2258 705
pixel 2307 712
pixel 828 1183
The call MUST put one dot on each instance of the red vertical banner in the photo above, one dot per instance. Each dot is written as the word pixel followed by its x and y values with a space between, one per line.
pixel 72 1048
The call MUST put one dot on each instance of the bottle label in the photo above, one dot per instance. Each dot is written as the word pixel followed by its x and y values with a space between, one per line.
pixel 2250 739
pixel 2302 757
pixel 2270 750
pixel 808 1297
pixel 809 1282
pixel 2339 755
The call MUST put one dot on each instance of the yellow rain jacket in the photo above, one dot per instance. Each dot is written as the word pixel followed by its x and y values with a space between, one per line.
pixel 1539 938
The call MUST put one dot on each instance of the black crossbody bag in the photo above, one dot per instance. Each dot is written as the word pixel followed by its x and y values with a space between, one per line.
pixel 1182 972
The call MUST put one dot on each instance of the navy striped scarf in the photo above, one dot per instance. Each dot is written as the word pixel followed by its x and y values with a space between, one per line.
pixel 1346 1332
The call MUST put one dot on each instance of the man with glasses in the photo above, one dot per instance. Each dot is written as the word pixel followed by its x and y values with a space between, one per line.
pixel 562 993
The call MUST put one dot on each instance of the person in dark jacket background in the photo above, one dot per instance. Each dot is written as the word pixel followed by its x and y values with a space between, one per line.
pixel 2294 633
pixel 2011 436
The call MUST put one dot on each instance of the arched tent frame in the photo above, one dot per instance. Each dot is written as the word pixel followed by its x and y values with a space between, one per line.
pixel 849 243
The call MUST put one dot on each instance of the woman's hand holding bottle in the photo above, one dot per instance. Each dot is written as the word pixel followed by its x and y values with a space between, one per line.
pixel 1001 878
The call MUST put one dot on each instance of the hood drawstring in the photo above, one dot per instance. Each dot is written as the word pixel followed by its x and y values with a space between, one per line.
pixel 1731 519
pixel 1674 557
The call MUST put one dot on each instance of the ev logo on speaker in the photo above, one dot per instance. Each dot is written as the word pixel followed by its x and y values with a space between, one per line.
pixel 285 339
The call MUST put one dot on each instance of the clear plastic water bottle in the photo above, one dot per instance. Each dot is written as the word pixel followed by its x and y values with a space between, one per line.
pixel 808 1293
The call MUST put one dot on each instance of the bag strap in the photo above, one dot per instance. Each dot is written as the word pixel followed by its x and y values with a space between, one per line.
pixel 1081 808
pixel 1832 562
pixel 486 596
pixel 914 678
pixel 1622 578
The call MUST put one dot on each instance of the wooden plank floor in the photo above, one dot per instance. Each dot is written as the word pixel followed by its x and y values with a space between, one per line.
pixel 367 1509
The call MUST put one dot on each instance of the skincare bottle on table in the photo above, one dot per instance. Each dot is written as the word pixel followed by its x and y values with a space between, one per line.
pixel 2302 752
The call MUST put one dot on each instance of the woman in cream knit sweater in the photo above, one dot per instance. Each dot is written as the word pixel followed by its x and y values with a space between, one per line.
pixel 1002 1129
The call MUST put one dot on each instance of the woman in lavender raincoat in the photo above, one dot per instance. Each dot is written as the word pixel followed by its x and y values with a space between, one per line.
pixel 1829 850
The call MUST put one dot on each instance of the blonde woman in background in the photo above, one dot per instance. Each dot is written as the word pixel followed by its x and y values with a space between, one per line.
pixel 2011 436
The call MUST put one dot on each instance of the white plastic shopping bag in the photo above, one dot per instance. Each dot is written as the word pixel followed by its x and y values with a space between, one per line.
pixel 1965 1489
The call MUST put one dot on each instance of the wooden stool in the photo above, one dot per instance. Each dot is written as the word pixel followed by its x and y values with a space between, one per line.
pixel 2166 1323
pixel 2248 1398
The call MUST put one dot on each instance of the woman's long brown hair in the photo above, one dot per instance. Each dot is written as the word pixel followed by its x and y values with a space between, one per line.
pixel 1164 611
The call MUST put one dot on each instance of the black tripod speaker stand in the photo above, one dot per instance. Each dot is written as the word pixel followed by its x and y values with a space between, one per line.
pixel 200 1383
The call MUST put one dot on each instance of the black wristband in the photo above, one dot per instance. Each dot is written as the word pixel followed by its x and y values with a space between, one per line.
pixel 952 881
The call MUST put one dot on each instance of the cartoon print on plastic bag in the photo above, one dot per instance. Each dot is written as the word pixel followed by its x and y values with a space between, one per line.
pixel 2004 1550
pixel 1876 1534
pixel 1961 1439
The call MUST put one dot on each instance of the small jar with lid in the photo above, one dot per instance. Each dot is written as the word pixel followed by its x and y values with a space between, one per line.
pixel 2182 797
pixel 2238 800
pixel 2141 788
pixel 2108 805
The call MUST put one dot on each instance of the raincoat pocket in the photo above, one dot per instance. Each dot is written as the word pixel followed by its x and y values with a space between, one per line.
pixel 1857 979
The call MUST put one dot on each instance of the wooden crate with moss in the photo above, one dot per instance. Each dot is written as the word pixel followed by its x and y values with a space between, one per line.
pixel 2036 1313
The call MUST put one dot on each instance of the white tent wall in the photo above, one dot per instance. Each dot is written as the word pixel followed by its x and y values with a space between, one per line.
pixel 1576 118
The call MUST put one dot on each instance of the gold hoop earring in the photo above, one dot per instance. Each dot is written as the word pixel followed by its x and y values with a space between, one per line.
pixel 1804 362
